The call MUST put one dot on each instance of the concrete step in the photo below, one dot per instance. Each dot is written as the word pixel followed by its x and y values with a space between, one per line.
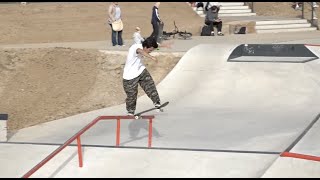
pixel 286 30
pixel 229 9
pixel 237 14
pixel 233 7
pixel 274 22
pixel 228 15
pixel 224 8
pixel 234 11
pixel 231 3
pixel 283 26
pixel 222 12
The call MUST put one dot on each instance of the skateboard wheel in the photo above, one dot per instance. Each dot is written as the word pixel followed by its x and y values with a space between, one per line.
pixel 136 117
pixel 159 110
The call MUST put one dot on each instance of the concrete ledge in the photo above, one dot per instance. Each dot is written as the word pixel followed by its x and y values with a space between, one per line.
pixel 175 54
pixel 250 25
pixel 3 127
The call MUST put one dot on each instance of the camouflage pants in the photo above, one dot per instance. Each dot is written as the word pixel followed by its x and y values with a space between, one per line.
pixel 131 88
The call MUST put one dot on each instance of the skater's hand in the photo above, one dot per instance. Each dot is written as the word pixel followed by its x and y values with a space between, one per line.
pixel 153 58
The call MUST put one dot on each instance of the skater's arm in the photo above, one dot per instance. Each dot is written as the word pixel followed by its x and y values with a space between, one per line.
pixel 140 51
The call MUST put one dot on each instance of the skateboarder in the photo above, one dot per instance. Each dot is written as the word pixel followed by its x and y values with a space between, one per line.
pixel 135 73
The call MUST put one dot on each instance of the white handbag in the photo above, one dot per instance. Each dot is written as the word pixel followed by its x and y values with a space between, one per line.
pixel 117 25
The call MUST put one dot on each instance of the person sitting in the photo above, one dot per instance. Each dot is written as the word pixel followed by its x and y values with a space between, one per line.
pixel 137 38
pixel 212 19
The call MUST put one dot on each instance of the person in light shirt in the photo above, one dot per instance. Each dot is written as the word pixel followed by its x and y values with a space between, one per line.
pixel 137 38
pixel 114 13
pixel 135 73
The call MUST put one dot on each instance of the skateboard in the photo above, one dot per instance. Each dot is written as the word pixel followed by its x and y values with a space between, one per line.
pixel 138 115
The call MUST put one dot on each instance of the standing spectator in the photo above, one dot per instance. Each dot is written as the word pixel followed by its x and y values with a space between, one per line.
pixel 114 13
pixel 137 38
pixel 155 21
pixel 212 19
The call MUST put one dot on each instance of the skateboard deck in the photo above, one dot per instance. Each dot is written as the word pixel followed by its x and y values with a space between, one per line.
pixel 138 115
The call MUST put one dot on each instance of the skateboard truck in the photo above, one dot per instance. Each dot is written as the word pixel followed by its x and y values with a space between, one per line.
pixel 159 109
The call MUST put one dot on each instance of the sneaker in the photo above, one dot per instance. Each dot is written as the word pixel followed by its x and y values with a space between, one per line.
pixel 212 33
pixel 316 6
pixel 220 34
pixel 157 104
pixel 130 113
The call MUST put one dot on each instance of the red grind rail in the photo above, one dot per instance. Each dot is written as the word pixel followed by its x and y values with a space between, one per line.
pixel 300 156
pixel 79 133
pixel 311 44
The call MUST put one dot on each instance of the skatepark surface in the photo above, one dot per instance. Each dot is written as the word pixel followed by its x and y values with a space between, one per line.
pixel 225 119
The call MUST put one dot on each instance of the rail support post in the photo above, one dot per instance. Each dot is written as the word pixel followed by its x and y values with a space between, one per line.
pixel 118 133
pixel 79 151
pixel 150 133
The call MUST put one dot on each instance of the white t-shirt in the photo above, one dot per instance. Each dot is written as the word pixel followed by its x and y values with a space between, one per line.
pixel 133 67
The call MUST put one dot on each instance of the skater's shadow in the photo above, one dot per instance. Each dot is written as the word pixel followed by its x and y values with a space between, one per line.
pixel 135 127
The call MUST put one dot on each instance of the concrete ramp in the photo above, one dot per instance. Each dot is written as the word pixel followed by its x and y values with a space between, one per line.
pixel 215 106
pixel 293 168
pixel 240 106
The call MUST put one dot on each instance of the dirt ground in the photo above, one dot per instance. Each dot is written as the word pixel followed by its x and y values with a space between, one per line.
pixel 40 85
pixel 85 21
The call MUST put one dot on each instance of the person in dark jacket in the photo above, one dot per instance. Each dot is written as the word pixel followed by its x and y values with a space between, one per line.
pixel 155 21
